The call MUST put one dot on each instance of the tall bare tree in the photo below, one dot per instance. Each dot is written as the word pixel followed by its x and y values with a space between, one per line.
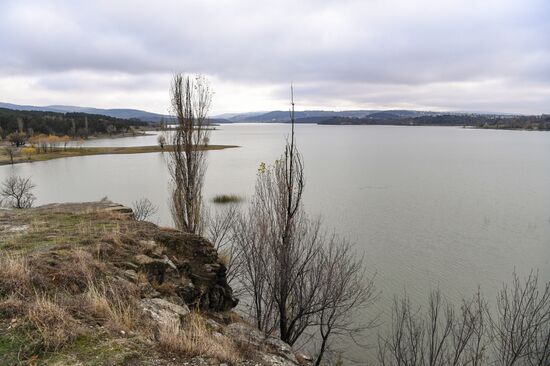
pixel 190 101
pixel 297 279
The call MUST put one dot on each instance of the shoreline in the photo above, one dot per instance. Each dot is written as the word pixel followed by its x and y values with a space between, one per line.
pixel 88 151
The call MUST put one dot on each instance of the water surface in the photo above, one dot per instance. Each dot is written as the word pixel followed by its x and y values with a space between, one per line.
pixel 428 206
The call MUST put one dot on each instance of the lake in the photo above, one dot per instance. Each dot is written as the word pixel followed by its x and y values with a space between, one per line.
pixel 429 207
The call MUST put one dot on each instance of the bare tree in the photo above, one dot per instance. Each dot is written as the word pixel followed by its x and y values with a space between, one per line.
pixel 521 328
pixel 143 209
pixel 221 230
pixel 345 291
pixel 190 100
pixel 441 336
pixel 16 192
pixel 516 333
pixel 297 278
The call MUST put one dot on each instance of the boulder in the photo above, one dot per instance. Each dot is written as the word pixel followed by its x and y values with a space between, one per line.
pixel 276 351
pixel 163 312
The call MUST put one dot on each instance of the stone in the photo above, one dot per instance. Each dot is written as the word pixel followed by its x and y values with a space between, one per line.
pixel 278 352
pixel 163 312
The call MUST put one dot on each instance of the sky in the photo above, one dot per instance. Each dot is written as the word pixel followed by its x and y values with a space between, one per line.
pixel 455 55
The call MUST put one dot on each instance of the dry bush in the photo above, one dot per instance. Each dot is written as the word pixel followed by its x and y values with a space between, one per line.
pixel 111 305
pixel 195 339
pixel 54 325
pixel 14 276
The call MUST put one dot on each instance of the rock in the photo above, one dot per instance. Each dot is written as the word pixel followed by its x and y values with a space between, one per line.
pixel 162 311
pixel 146 290
pixel 157 269
pixel 278 352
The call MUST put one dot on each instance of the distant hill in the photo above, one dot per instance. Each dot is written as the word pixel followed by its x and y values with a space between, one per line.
pixel 116 113
pixel 74 124
pixel 317 116
pixel 458 119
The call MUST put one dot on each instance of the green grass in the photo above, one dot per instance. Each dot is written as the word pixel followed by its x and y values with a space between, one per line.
pixel 222 199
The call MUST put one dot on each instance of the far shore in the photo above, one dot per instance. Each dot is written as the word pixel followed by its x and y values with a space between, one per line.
pixel 85 151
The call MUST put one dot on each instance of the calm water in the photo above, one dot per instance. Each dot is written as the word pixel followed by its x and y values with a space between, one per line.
pixel 428 206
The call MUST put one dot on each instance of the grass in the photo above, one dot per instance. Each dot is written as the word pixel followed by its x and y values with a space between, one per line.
pixel 65 297
pixel 105 302
pixel 85 151
pixel 52 322
pixel 222 199
pixel 194 338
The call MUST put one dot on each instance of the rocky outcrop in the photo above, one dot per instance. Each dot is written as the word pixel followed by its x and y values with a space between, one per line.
pixel 161 273
pixel 185 264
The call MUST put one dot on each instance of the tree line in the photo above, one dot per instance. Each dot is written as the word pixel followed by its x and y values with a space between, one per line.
pixel 541 122
pixel 30 123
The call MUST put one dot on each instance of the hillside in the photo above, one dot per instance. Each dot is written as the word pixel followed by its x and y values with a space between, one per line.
pixel 56 123
pixel 87 284
pixel 317 116
pixel 122 113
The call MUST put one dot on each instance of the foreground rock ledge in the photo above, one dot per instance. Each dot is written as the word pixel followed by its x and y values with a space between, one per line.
pixel 169 275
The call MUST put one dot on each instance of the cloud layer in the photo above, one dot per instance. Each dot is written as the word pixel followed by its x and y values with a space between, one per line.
pixel 491 55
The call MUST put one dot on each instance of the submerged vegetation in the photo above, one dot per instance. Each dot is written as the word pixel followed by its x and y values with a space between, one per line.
pixel 227 198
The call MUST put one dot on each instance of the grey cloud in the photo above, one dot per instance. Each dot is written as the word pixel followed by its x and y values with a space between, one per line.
pixel 349 47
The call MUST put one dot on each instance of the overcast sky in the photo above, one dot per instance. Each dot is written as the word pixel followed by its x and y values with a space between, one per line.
pixel 469 55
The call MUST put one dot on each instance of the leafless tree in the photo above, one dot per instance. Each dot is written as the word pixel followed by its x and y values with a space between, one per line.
pixel 441 336
pixel 143 209
pixel 521 327
pixel 190 99
pixel 16 192
pixel 221 230
pixel 345 291
pixel 296 277
pixel 517 333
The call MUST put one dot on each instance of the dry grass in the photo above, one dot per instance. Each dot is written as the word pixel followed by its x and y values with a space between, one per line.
pixel 67 269
pixel 12 307
pixel 111 306
pixel 15 276
pixel 195 339
pixel 54 325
